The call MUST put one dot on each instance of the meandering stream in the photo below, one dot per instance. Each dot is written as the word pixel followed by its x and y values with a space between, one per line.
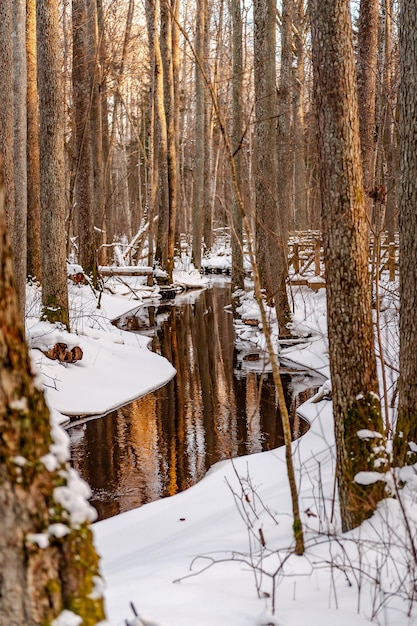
pixel 219 405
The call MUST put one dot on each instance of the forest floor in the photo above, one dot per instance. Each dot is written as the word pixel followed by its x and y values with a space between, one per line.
pixel 220 553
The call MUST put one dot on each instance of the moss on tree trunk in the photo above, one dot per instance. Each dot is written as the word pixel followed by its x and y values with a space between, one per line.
pixel 47 558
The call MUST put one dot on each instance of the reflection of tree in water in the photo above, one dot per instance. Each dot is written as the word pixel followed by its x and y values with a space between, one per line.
pixel 166 441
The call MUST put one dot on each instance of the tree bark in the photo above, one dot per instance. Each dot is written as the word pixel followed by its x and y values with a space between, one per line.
pixel 33 165
pixel 237 140
pixel 20 143
pixel 270 247
pixel 7 106
pixel 200 115
pixel 169 99
pixel 367 74
pixel 301 221
pixel 406 428
pixel 51 117
pixel 43 572
pixel 285 144
pixel 83 161
pixel 351 343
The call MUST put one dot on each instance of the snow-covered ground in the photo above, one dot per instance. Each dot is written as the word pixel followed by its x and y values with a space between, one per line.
pixel 220 553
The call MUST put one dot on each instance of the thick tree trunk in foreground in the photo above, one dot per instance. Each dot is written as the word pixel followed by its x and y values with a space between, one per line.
pixel 351 343
pixel 406 430
pixel 47 559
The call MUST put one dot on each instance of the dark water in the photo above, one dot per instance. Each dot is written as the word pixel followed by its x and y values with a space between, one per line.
pixel 219 405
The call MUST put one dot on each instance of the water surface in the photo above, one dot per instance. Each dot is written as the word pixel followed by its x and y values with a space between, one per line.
pixel 219 405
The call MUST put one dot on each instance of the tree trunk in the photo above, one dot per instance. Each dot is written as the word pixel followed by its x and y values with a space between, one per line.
pixel 96 72
pixel 43 571
pixel 200 115
pixel 367 73
pixel 237 140
pixel 351 343
pixel 406 429
pixel 33 166
pixel 83 162
pixel 20 143
pixel 301 221
pixel 169 99
pixel 107 201
pixel 6 106
pixel 270 252
pixel 285 143
pixel 162 156
pixel 51 117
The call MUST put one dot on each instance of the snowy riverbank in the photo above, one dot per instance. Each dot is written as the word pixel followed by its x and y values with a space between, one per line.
pixel 233 529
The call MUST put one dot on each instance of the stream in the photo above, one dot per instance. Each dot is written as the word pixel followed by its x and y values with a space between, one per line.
pixel 221 404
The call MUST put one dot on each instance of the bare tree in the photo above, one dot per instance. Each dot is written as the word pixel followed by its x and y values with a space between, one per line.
pixel 200 117
pixel 83 159
pixel 271 247
pixel 7 105
pixel 237 140
pixel 51 115
pixel 33 167
pixel 285 146
pixel 406 429
pixel 168 54
pixel 367 76
pixel 20 141
pixel 356 404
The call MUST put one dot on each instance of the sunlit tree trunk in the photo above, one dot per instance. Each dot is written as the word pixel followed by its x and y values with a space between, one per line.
pixel 169 99
pixel 6 106
pixel 161 248
pixel 237 143
pixel 200 115
pixel 406 429
pixel 351 343
pixel 20 143
pixel 152 186
pixel 33 171
pixel 51 117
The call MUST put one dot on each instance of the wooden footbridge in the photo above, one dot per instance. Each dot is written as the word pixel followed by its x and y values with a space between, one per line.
pixel 306 264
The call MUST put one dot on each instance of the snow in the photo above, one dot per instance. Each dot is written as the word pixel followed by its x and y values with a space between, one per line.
pixel 220 553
